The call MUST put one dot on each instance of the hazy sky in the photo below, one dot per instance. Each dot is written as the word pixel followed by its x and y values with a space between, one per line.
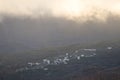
pixel 56 26
pixel 61 8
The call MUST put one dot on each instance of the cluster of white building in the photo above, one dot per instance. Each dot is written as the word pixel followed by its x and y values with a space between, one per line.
pixel 62 59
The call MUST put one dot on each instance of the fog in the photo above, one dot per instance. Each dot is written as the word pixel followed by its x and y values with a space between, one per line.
pixel 22 33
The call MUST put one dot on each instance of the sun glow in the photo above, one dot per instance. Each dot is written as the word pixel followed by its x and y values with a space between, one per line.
pixel 73 7
pixel 69 8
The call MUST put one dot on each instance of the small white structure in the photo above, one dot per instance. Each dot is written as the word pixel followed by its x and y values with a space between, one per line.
pixel 71 56
pixel 45 69
pixel 76 51
pixel 82 55
pixel 65 60
pixel 89 49
pixel 109 48
pixel 78 57
pixel 46 61
pixel 67 54
pixel 57 61
pixel 30 63
pixel 37 63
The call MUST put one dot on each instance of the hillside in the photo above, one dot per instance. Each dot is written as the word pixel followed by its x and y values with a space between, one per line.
pixel 74 62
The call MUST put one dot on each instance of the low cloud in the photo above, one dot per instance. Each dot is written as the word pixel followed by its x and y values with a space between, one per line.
pixel 61 8
pixel 51 31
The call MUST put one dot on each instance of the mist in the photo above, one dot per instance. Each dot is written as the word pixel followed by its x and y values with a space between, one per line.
pixel 24 33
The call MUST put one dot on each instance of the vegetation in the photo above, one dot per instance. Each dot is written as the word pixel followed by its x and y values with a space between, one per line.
pixel 104 66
